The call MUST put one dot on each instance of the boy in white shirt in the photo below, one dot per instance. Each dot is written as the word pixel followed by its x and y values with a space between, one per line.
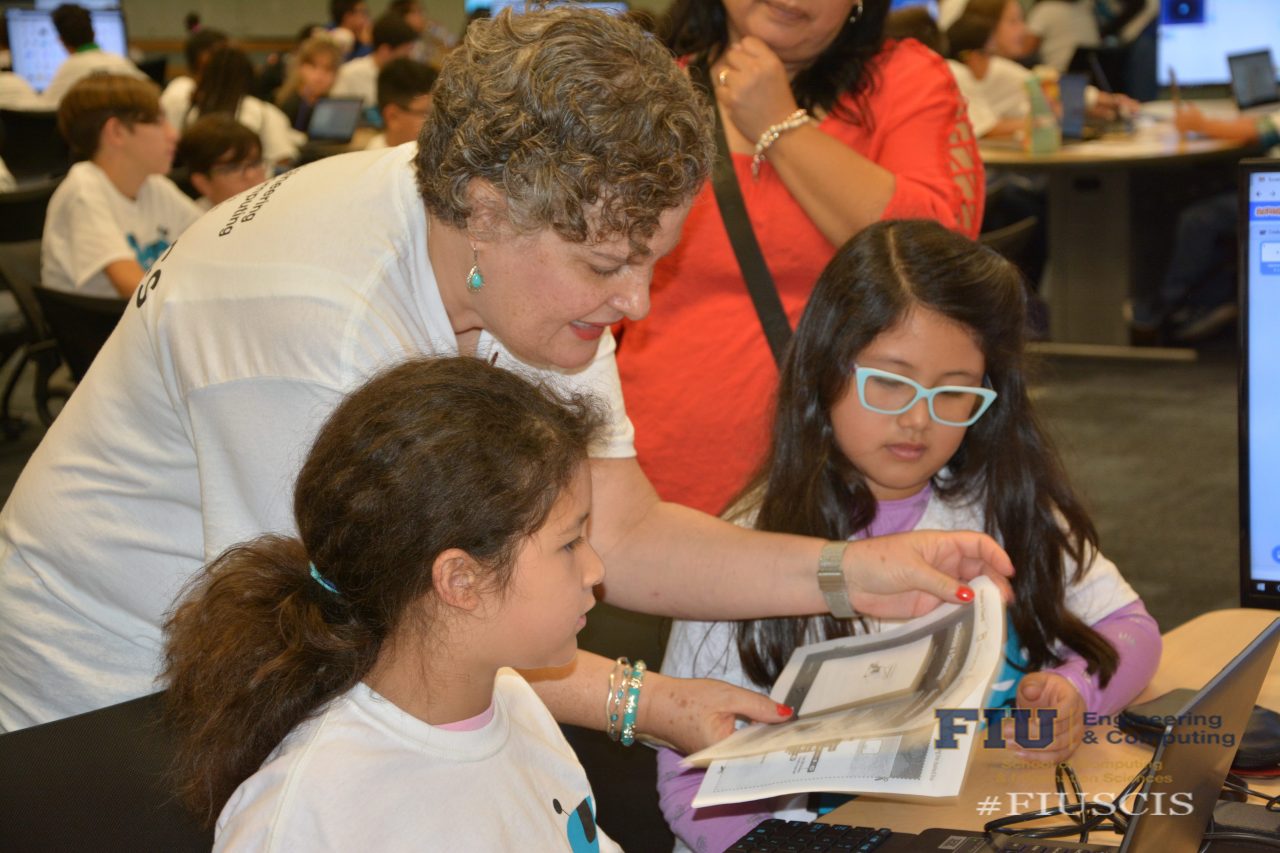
pixel 223 158
pixel 116 212
pixel 75 31
pixel 404 99
pixel 358 78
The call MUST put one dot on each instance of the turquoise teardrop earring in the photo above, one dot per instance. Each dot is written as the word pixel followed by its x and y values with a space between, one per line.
pixel 475 280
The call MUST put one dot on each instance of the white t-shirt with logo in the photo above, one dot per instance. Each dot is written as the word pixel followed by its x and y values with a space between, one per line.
pixel 90 224
pixel 365 775
pixel 189 429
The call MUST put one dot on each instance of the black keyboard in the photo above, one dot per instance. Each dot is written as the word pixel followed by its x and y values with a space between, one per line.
pixel 797 836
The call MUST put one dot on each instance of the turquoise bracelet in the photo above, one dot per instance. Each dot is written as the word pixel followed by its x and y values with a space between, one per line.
pixel 613 702
pixel 634 683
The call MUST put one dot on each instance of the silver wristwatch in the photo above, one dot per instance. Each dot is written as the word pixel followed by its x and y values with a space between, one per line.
pixel 831 580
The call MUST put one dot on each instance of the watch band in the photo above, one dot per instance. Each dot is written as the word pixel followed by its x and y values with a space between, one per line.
pixel 831 580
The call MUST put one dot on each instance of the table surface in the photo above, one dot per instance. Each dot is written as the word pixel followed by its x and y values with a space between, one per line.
pixel 1193 653
pixel 1155 145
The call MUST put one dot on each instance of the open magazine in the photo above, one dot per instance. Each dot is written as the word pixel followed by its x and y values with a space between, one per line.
pixel 866 711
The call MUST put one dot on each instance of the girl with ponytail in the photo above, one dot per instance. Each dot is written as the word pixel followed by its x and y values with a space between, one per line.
pixel 350 687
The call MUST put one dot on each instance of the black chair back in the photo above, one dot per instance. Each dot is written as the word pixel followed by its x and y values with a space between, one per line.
pixel 155 68
pixel 33 148
pixel 22 211
pixel 1012 241
pixel 80 324
pixel 96 781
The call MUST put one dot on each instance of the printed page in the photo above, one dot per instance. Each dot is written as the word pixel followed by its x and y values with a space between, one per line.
pixel 871 724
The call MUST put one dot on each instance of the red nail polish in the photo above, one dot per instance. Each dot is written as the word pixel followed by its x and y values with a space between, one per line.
pixel 785 710
pixel 965 594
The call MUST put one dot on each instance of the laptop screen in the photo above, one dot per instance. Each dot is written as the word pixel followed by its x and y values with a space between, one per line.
pixel 1253 79
pixel 36 51
pixel 1259 411
pixel 335 119
pixel 1195 753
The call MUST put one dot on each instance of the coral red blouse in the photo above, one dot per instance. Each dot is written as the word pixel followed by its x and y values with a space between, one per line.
pixel 697 374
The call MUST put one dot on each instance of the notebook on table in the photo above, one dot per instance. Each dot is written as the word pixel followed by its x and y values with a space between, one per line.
pixel 1191 766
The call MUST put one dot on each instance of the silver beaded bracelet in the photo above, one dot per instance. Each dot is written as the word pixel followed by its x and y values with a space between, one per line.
pixel 799 118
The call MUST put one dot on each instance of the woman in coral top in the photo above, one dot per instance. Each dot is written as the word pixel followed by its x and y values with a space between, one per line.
pixel 889 139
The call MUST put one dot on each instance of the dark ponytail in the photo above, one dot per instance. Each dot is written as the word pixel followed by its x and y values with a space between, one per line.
pixel 279 645
pixel 429 455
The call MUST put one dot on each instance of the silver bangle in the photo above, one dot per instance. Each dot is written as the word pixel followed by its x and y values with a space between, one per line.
pixel 799 118
pixel 831 580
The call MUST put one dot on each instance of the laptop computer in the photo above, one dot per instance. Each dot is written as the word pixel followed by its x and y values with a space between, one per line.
pixel 1193 758
pixel 1253 81
pixel 334 120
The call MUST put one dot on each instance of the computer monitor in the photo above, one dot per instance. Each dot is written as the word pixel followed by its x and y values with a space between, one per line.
pixel 1259 413
pixel 36 51
pixel 1196 36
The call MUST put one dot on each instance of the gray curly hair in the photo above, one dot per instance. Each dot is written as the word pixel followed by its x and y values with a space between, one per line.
pixel 579 118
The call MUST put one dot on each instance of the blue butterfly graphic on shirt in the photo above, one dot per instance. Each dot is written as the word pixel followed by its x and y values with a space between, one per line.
pixel 581 827
pixel 148 254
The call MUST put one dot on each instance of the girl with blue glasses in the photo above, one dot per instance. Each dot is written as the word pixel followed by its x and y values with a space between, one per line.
pixel 903 405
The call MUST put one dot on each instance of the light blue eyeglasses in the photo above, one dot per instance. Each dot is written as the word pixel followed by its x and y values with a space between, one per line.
pixel 891 394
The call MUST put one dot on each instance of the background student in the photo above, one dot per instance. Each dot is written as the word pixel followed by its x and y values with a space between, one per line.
pixel 903 406
pixel 222 158
pixel 351 687
pixel 116 212
pixel 1055 28
pixel 358 78
pixel 404 99
pixel 176 97
pixel 75 31
pixel 312 70
pixel 225 86
pixel 349 27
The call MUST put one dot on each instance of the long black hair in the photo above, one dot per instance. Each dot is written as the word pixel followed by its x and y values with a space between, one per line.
pixel 1006 465
pixel 700 28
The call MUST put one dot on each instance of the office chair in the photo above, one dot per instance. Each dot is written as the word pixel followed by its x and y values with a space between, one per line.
pixel 80 324
pixel 1012 241
pixel 155 68
pixel 1016 243
pixel 20 273
pixel 33 147
pixel 22 211
pixel 96 781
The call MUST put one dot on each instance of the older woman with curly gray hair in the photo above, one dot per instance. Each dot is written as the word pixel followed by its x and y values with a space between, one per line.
pixel 557 167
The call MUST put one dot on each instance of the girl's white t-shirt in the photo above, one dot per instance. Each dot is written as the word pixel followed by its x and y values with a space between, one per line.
pixel 365 775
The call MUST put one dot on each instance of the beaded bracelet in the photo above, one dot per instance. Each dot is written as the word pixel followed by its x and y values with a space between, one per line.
pixel 618 678
pixel 634 683
pixel 799 118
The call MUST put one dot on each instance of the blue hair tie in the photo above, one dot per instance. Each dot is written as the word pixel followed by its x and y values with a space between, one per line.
pixel 322 580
